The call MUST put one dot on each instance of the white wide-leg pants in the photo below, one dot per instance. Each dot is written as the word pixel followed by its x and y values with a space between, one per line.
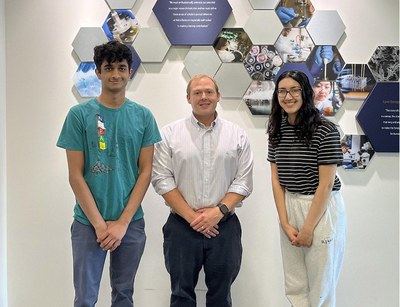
pixel 311 274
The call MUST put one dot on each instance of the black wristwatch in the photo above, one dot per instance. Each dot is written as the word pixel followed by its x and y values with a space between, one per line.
pixel 224 209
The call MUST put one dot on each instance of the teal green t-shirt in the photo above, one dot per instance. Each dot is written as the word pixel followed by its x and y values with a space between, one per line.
pixel 111 140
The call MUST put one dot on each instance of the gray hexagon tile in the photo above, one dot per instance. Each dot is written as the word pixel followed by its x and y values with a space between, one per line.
pixel 258 22
pixel 326 27
pixel 202 60
pixel 151 44
pixel 263 4
pixel 85 40
pixel 120 4
pixel 122 26
pixel 232 79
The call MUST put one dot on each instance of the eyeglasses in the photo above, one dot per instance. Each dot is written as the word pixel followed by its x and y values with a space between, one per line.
pixel 294 92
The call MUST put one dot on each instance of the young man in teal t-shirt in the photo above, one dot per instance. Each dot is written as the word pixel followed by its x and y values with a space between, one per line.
pixel 109 143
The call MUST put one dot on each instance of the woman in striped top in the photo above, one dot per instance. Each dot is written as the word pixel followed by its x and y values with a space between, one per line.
pixel 304 151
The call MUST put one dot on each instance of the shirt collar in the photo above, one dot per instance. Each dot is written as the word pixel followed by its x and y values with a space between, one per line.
pixel 200 125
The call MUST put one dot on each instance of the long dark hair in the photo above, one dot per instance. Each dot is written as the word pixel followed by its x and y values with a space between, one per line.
pixel 308 118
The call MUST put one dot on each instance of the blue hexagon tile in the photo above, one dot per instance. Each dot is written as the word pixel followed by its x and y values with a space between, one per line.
pixel 379 117
pixel 192 23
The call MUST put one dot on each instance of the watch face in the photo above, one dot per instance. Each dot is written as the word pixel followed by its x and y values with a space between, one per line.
pixel 224 209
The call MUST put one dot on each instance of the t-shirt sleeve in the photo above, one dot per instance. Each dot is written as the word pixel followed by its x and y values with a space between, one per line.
pixel 71 136
pixel 271 154
pixel 151 133
pixel 329 151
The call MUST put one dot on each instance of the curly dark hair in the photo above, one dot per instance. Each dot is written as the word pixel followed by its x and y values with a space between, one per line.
pixel 111 52
pixel 308 118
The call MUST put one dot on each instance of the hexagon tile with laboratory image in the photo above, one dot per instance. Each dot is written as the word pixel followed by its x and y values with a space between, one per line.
pixel 325 62
pixel 328 98
pixel 357 151
pixel 356 81
pixel 384 63
pixel 262 62
pixel 294 45
pixel 258 97
pixel 122 26
pixel 232 45
pixel 295 13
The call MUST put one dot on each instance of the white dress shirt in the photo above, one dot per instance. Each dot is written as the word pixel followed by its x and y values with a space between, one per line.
pixel 203 163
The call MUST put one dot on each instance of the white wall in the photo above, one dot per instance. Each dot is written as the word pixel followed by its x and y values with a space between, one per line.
pixel 3 186
pixel 39 94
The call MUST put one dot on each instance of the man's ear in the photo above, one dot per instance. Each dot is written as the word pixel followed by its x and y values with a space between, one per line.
pixel 97 73
pixel 130 73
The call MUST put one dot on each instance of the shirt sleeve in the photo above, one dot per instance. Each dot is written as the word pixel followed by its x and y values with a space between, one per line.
pixel 271 154
pixel 243 182
pixel 329 151
pixel 71 136
pixel 163 179
pixel 151 133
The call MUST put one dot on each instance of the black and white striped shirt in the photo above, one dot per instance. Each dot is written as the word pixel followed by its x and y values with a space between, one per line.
pixel 298 163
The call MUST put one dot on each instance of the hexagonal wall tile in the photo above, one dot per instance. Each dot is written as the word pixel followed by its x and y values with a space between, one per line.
pixel 258 97
pixel 325 62
pixel 192 23
pixel 328 97
pixel 85 80
pixel 136 61
pixel 122 26
pixel 295 13
pixel 202 60
pixel 356 81
pixel 232 79
pixel 232 45
pixel 120 4
pixel 258 21
pixel 151 45
pixel 262 62
pixel 357 152
pixel 384 63
pixel 263 4
pixel 294 45
pixel 326 27
pixel 85 40
pixel 379 116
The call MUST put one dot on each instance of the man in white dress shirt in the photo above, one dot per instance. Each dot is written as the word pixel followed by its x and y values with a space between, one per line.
pixel 203 169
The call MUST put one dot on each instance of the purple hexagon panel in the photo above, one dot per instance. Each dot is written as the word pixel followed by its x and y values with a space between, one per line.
pixel 192 23
pixel 379 117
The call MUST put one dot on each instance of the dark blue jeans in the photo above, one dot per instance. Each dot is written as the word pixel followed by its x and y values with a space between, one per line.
pixel 187 251
pixel 88 261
